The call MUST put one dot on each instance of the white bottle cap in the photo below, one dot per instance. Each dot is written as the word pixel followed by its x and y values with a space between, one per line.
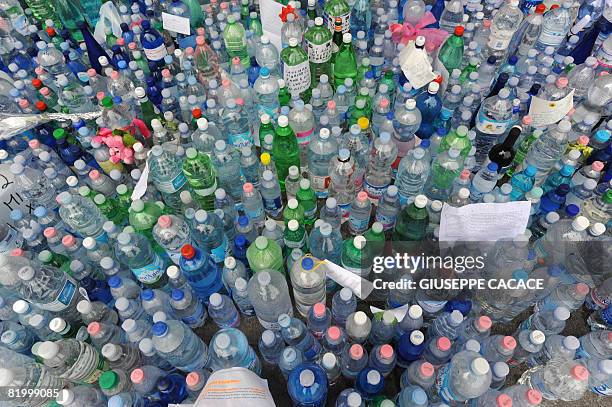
pixel 420 201
pixel 480 366
pixel 307 378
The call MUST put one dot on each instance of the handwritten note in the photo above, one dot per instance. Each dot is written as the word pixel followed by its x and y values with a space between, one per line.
pixel 10 197
pixel 545 112
pixel 484 221
pixel 176 23
pixel 416 66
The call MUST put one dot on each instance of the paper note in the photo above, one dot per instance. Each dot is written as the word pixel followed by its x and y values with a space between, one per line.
pixel 11 198
pixel 416 66
pixel 399 313
pixel 359 286
pixel 234 387
pixel 271 22
pixel 544 112
pixel 484 221
pixel 176 24
pixel 141 186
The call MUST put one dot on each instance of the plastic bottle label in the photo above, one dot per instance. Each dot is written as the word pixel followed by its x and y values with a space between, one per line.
pixel 498 43
pixel 297 77
pixel 304 136
pixel 207 191
pixel 241 140
pixel 101 367
pixel 581 353
pixel 373 191
pixel 64 297
pixel 319 53
pixel 255 214
pixel 320 184
pixel 387 221
pixel 272 205
pixel 345 209
pixel 218 253
pixel 150 273
pixel 550 37
pixel 489 126
pixel 603 389
pixel 346 22
pixel 442 384
pixel 156 54
pixel 170 187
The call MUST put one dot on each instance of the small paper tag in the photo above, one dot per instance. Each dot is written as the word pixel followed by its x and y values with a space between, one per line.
pixel 545 112
pixel 416 66
pixel 176 23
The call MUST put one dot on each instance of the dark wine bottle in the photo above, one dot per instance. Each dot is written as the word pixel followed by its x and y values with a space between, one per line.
pixel 503 153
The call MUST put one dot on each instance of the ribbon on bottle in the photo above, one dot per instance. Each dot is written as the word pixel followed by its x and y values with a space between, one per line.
pixel 406 32
pixel 285 12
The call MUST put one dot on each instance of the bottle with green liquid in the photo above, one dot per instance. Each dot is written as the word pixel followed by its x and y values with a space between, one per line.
pixel 319 45
pixel 296 69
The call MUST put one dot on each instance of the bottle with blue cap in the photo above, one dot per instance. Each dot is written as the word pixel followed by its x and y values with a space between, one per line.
pixel 307 385
pixel 188 308
pixel 308 281
pixel 522 182
pixel 179 345
pixel 410 347
pixel 154 300
pixel 229 348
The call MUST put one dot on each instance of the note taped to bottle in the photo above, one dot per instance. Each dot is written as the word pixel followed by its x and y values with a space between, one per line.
pixel 545 112
pixel 176 23
pixel 233 387
pixel 416 66
pixel 10 198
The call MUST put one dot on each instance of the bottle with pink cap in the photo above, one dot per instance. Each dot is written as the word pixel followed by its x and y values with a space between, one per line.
pixel 195 382
pixel 498 348
pixel 382 358
pixel 172 233
pixel 523 396
pixel 420 373
pixel 571 296
pixel 494 398
pixel 144 379
pixel 592 171
pixel 353 360
pixel 318 319
pixel 565 380
pixel 478 327
pixel 334 340
pixel 438 350
pixel 101 183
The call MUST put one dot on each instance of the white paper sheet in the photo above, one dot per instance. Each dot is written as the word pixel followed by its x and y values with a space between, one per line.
pixel 399 313
pixel 176 24
pixel 416 66
pixel 544 112
pixel 359 286
pixel 143 182
pixel 484 221
pixel 271 22
pixel 235 387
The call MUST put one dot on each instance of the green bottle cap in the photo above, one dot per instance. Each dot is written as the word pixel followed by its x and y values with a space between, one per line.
pixel 108 380
pixel 607 198
pixel 107 102
pixel 59 134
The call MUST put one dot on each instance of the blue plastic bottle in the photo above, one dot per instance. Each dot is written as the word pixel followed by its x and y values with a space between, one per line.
pixel 410 347
pixel 307 386
pixel 152 42
pixel 172 388
pixel 223 311
pixel 370 383
pixel 296 334
pixel 271 345
pixel 200 271
pixel 430 105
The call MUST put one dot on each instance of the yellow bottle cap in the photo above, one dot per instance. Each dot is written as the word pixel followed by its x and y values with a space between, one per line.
pixel 265 158
pixel 363 123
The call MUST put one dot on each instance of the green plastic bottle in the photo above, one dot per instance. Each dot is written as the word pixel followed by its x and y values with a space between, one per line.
pixel 338 9
pixel 285 150
pixel 50 258
pixel 296 69
pixel 148 109
pixel 244 11
pixel 265 254
pixel 265 127
pixel 522 151
pixel 255 24
pixel 457 139
pixel 234 37
pixel 293 210
pixel 284 97
pixel 124 196
pixel 451 52
pixel 143 216
pixel 412 222
pixel 110 209
pixel 375 236
pixel 308 200
pixel 70 13
pixel 201 177
pixel 319 44
pixel 354 256
pixel 345 65
pixel 295 237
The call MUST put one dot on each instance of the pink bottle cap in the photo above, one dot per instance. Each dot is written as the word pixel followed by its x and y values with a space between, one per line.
pixel 562 82
pixel 39 70
pixel 100 96
pixel 583 140
pixel 597 165
pixel 166 73
pixel 486 23
pixel 527 120
pixel 386 351
pixel 582 288
pixel 465 174
pixel 49 232
pixel 240 101
pixel 93 328
pixel 114 75
pixel 44 91
pixel 17 252
pixel 132 46
pixel 235 60
pixel 68 240
pixel 333 332
pixel 33 143
pixel 331 104
pixel 318 309
pixel 121 42
pixel 356 352
pixel 23 104
pixel 533 396
pixel 484 322
pixel 362 196
pixel 192 379
pixel 443 343
pixel 164 221
pixel 200 40
pixel 94 174
pixel 247 188
pixel 426 369
pixel 225 83
pixel 190 50
pixel 508 343
pixel 579 372
pixel 384 103
pixel 610 336
pixel 137 376
pixel 503 400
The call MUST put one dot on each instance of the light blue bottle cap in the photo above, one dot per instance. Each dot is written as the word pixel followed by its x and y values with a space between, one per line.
pixel 116 401
pixel 419 397
pixel 567 170
pixel 520 275
pixel 16 214
pixel 602 135
pixel 122 64
pixel 531 170
pixel 264 72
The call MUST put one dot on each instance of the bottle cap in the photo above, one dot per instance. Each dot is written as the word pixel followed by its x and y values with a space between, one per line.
pixel 373 377
pixel 420 201
pixel 503 400
pixel 417 337
pixel 426 369
pixel 415 311
pixel 57 325
pixel 443 344
pixel 108 380
pixel 47 350
pixel 580 223
pixel 561 313
pixel 579 372
pixel 508 343
pixel 533 396
pixel 480 366
pixel 356 351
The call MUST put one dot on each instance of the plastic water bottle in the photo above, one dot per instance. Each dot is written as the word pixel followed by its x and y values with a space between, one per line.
pixel 318 319
pixel 179 345
pixel 321 150
pixel 378 172
pixel 172 233
pixel 344 303
pixel 331 213
pixel 307 385
pixel 72 360
pixel 383 359
pixel 296 334
pixel 353 360
pixel 412 173
pixel 188 308
pixel 555 347
pixel 476 378
pixel 269 294
pixel 498 348
pixel 595 344
pixel 308 283
pixel 383 328
pixel 229 348
pixel 223 311
pixel 413 396
pixel 388 208
pixel 358 326
pixel 124 357
pixel 550 321
pixel 200 271
pixel 359 217
pixel 447 325
pixel 289 359
pixel 566 380
pixel 271 346
pixel 419 373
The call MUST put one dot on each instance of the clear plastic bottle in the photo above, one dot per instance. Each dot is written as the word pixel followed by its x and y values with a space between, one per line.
pixel 466 376
pixel 321 151
pixel 271 346
pixel 360 211
pixel 412 173
pixel 223 311
pixel 72 360
pixel 229 348
pixel 269 294
pixel 558 380
pixel 180 346
pixel 378 172
pixel 188 308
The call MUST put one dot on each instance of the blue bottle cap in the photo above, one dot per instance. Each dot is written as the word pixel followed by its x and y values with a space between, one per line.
pixel 145 24
pixel 602 135
pixel 530 170
pixel 159 328
pixel 520 275
pixel 264 72
pixel 555 271
pixel 147 294
pixel 307 263
pixel 606 314
pixel 567 170
pixel 114 282
pixel 463 306
pixel 122 64
pixel 243 220
pixel 240 240
pixel 425 143
pixel 164 384
pixel 419 397
pixel 390 115
pixel 16 214
pixel 177 294
pixel 512 60
pixel 369 75
pixel 492 167
pixel 491 60
pixel 117 100
pixel 572 210
pixel 116 401
pixel 40 211
pixel 441 131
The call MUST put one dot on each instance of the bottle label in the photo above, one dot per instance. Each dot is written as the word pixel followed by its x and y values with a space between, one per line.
pixel 101 367
pixel 64 297
pixel 255 214
pixel 304 136
pixel 241 140
pixel 374 191
pixel 581 353
pixel 156 54
pixel 346 21
pixel 359 225
pixel 218 253
pixel 490 126
pixel 319 53
pixel 387 221
pixel 272 205
pixel 207 191
pixel 295 244
pixel 150 273
pixel 377 64
pixel 320 184
pixel 170 187
pixel 311 213
pixel 345 209
pixel 236 45
pixel 297 77
pixel 442 384
pixel 431 307
pixel 498 43
pixel 551 37
pixel 603 389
